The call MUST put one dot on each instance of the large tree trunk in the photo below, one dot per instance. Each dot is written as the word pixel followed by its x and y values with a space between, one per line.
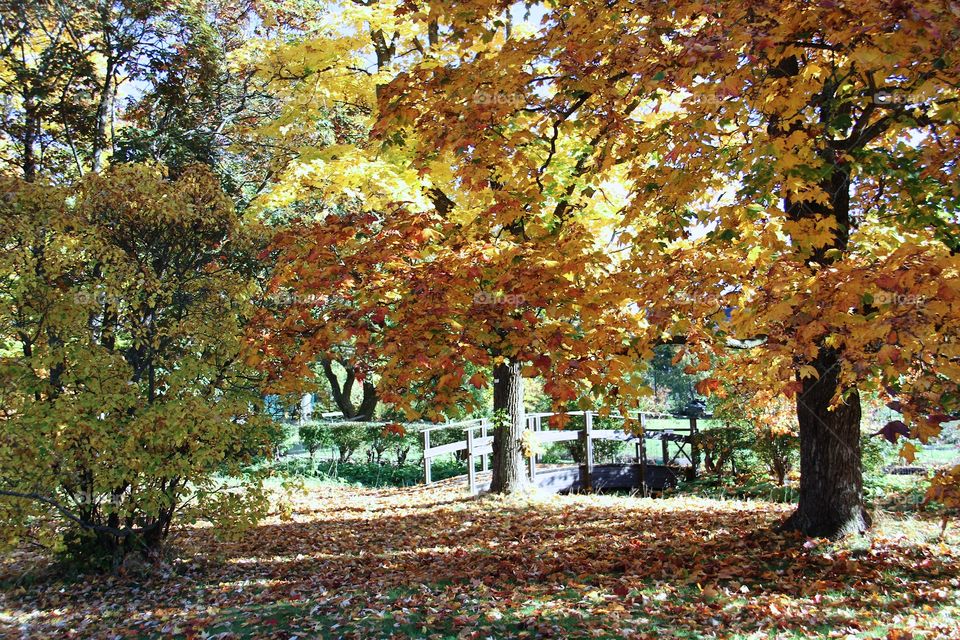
pixel 831 484
pixel 831 478
pixel 509 470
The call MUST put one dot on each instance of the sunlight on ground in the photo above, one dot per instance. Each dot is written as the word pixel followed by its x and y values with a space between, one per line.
pixel 435 563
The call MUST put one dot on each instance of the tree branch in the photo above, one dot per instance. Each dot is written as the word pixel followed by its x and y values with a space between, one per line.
pixel 120 533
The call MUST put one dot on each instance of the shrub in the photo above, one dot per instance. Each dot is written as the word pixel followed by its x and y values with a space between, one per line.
pixel 123 306
pixel 366 474
pixel 724 447
pixel 777 451
pixel 603 450
pixel 876 455
pixel 554 453
pixel 311 437
pixel 347 437
pixel 388 437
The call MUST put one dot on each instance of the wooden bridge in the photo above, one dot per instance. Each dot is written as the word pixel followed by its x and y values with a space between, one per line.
pixel 641 473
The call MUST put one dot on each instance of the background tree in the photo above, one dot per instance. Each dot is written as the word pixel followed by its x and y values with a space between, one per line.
pixel 47 114
pixel 197 101
pixel 786 174
pixel 323 77
pixel 83 81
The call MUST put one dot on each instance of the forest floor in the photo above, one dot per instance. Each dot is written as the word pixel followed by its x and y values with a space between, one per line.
pixel 434 563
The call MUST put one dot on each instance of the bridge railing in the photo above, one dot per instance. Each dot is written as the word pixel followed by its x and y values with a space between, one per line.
pixel 478 442
pixel 432 452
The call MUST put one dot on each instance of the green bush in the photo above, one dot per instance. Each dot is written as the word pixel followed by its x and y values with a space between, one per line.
pixel 777 452
pixel 350 438
pixel 311 437
pixel 725 447
pixel 366 474
pixel 381 441
pixel 603 450
pixel 347 437
pixel 554 453
pixel 875 455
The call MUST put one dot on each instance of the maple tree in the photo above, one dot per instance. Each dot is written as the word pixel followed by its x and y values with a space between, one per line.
pixel 420 284
pixel 194 98
pixel 785 173
pixel 123 300
pixel 321 166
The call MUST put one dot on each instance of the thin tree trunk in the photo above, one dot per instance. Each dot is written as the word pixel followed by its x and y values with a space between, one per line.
pixel 104 112
pixel 831 480
pixel 509 471
pixel 30 130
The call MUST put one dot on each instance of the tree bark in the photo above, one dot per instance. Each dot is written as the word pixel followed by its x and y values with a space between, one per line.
pixel 831 480
pixel 31 128
pixel 341 394
pixel 104 112
pixel 509 470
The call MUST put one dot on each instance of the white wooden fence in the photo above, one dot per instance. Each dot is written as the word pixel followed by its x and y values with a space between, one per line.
pixel 478 441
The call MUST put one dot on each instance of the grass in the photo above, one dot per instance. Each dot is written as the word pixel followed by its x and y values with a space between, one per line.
pixel 937 455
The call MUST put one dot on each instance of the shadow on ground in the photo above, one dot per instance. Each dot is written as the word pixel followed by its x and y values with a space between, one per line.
pixel 433 563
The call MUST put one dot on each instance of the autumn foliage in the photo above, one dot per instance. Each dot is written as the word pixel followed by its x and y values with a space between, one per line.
pixel 460 195
pixel 567 191
pixel 123 299
pixel 781 176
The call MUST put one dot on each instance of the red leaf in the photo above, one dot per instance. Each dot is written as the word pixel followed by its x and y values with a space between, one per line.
pixel 893 430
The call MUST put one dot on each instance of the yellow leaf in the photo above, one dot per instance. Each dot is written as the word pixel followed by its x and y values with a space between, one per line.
pixel 908 452
pixel 807 371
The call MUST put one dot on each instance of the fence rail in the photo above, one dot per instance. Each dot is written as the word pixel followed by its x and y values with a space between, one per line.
pixel 478 443
pixel 470 444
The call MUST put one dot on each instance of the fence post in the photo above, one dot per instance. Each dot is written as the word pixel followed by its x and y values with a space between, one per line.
pixel 483 434
pixel 694 451
pixel 642 454
pixel 586 442
pixel 426 458
pixel 471 469
pixel 532 428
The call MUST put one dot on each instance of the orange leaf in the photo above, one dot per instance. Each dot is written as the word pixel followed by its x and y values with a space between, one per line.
pixel 478 380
